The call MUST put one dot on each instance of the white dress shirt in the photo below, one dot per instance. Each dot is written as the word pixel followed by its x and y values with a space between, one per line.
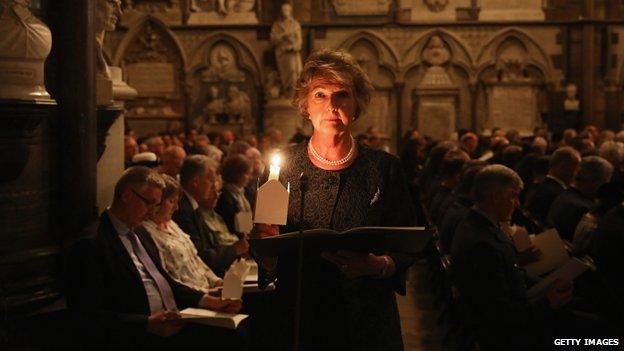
pixel 151 289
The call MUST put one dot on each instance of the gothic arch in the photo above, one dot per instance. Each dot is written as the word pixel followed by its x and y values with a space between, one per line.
pixel 461 57
pixel 537 58
pixel 244 55
pixel 138 28
pixel 388 57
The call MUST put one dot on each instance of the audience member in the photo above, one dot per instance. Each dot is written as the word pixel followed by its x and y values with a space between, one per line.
pixel 156 145
pixel 198 178
pixel 233 205
pixel 450 172
pixel 486 268
pixel 570 205
pixel 131 148
pixel 177 252
pixel 172 160
pixel 120 294
pixel 562 167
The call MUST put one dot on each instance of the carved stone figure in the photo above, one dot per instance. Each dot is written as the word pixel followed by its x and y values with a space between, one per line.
pixel 222 11
pixel 436 5
pixel 214 107
pixel 25 43
pixel 286 37
pixel 107 12
pixel 436 53
pixel 238 105
pixel 571 102
pixel 222 66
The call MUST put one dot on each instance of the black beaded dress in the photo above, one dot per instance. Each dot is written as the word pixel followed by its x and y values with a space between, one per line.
pixel 338 313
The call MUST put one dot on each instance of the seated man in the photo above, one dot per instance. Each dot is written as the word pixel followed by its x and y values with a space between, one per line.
pixel 486 268
pixel 117 288
pixel 563 164
pixel 450 172
pixel 460 206
pixel 570 206
pixel 198 178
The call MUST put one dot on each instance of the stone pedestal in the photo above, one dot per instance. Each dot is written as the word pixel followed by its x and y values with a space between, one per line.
pixel 511 10
pixel 281 114
pixel 110 139
pixel 29 244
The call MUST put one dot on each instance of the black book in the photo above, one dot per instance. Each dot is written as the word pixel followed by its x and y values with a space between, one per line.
pixel 377 240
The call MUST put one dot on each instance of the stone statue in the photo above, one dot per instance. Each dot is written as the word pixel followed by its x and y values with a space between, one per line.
pixel 107 12
pixel 286 37
pixel 25 43
pixel 571 102
pixel 238 105
pixel 436 54
pixel 214 107
pixel 222 66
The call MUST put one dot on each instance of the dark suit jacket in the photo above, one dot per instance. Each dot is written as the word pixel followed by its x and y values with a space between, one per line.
pixel 566 211
pixel 540 199
pixel 217 257
pixel 491 284
pixel 609 249
pixel 228 207
pixel 451 219
pixel 439 203
pixel 105 289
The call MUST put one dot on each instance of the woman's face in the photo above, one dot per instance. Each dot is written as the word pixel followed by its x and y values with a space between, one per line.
pixel 167 207
pixel 331 107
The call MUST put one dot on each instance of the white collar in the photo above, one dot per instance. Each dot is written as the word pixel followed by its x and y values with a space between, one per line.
pixel 192 200
pixel 120 227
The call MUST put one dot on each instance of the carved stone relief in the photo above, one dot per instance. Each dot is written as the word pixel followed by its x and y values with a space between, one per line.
pixel 512 90
pixel 222 12
pixel 168 11
pixel 377 60
pixel 431 10
pixel 362 7
pixel 154 66
pixel 511 10
pixel 224 94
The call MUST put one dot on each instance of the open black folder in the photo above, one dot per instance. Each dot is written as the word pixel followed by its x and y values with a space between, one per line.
pixel 409 240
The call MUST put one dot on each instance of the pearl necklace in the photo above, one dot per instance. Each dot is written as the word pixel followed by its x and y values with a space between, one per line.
pixel 335 163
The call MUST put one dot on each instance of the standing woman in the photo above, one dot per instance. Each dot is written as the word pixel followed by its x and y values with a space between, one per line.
pixel 348 299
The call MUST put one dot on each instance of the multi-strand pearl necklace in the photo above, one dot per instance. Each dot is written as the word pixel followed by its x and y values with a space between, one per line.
pixel 335 163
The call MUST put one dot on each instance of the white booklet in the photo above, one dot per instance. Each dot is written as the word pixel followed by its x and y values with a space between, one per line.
pixel 565 274
pixel 553 256
pixel 215 319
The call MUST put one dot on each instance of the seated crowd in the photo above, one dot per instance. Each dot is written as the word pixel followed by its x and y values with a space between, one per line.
pixel 475 190
pixel 173 231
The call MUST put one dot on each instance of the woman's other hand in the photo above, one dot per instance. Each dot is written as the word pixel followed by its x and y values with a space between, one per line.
pixel 217 304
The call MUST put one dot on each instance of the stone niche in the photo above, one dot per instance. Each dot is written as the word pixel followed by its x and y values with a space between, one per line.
pixel 431 10
pixel 168 11
pixel 511 10
pixel 379 61
pixel 362 7
pixel 153 64
pixel 512 86
pixel 437 86
pixel 221 12
pixel 224 82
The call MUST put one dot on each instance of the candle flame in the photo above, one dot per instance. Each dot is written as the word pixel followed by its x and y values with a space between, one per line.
pixel 276 160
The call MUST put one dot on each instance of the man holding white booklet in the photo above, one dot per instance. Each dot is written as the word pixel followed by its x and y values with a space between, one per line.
pixel 120 294
pixel 490 280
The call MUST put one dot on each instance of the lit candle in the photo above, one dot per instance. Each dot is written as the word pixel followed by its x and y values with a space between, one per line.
pixel 274 169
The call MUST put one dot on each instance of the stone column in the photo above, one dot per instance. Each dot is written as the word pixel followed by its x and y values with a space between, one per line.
pixel 589 61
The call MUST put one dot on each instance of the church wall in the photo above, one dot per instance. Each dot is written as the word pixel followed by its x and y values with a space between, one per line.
pixel 552 61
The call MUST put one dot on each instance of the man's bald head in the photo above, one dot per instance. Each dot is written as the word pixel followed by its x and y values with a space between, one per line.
pixel 172 159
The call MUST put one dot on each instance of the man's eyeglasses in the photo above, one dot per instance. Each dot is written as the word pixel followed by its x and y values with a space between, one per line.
pixel 148 203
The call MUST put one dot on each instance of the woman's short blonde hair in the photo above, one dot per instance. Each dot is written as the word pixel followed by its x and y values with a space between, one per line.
pixel 336 67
